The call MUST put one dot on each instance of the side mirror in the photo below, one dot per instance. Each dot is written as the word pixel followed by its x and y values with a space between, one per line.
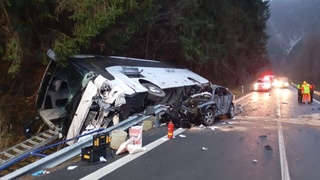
pixel 51 54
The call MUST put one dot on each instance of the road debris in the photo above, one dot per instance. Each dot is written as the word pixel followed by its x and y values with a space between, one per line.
pixel 72 167
pixel 255 161
pixel 181 135
pixel 134 143
pixel 239 108
pixel 102 159
pixel 263 135
pixel 214 127
pixel 204 148
pixel 201 126
pixel 40 172
pixel 268 147
pixel 163 124
pixel 112 153
pixel 227 123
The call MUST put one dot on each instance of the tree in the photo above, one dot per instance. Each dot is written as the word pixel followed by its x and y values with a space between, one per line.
pixel 221 35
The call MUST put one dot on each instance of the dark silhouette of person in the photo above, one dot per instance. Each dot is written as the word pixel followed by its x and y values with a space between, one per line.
pixel 299 93
pixel 312 87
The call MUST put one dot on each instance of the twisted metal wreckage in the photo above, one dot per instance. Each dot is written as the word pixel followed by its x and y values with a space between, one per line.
pixel 99 91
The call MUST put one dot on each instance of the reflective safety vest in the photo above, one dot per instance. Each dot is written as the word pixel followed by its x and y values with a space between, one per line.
pixel 299 88
pixel 305 88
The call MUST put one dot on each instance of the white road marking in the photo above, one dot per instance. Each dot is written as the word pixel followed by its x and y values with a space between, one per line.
pixel 316 101
pixel 283 157
pixel 282 151
pixel 122 161
pixel 243 97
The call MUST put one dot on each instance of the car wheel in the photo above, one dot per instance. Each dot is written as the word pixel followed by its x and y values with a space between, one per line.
pixel 155 93
pixel 231 111
pixel 208 118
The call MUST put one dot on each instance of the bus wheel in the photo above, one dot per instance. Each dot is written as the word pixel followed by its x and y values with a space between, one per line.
pixel 155 93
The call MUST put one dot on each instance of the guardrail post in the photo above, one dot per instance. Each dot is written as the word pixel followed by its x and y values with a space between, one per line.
pixel 158 109
pixel 156 123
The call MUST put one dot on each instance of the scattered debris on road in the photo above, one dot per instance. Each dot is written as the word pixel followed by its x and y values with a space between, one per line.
pixel 102 159
pixel 268 147
pixel 214 127
pixel 72 167
pixel 225 123
pixel 134 143
pixel 40 172
pixel 204 148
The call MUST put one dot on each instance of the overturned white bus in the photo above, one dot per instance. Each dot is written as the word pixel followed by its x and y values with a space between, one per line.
pixel 99 91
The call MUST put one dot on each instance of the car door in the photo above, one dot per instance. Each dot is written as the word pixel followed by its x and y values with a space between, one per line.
pixel 217 97
pixel 225 100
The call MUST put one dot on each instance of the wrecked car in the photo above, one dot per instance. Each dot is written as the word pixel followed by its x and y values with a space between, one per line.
pixel 99 91
pixel 204 107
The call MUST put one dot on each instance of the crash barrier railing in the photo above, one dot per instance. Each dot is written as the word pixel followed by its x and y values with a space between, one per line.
pixel 36 152
pixel 73 150
pixel 159 109
pixel 20 151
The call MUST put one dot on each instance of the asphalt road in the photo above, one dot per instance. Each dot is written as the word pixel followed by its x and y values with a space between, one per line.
pixel 271 137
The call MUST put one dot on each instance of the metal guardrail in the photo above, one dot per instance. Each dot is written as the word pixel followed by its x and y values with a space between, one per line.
pixel 75 149
pixel 25 148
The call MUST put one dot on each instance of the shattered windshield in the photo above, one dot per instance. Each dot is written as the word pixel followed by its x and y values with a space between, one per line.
pixel 73 76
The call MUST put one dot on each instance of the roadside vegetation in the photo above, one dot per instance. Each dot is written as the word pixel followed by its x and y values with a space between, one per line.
pixel 222 40
pixel 293 46
pixel 304 64
pixel 4 134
